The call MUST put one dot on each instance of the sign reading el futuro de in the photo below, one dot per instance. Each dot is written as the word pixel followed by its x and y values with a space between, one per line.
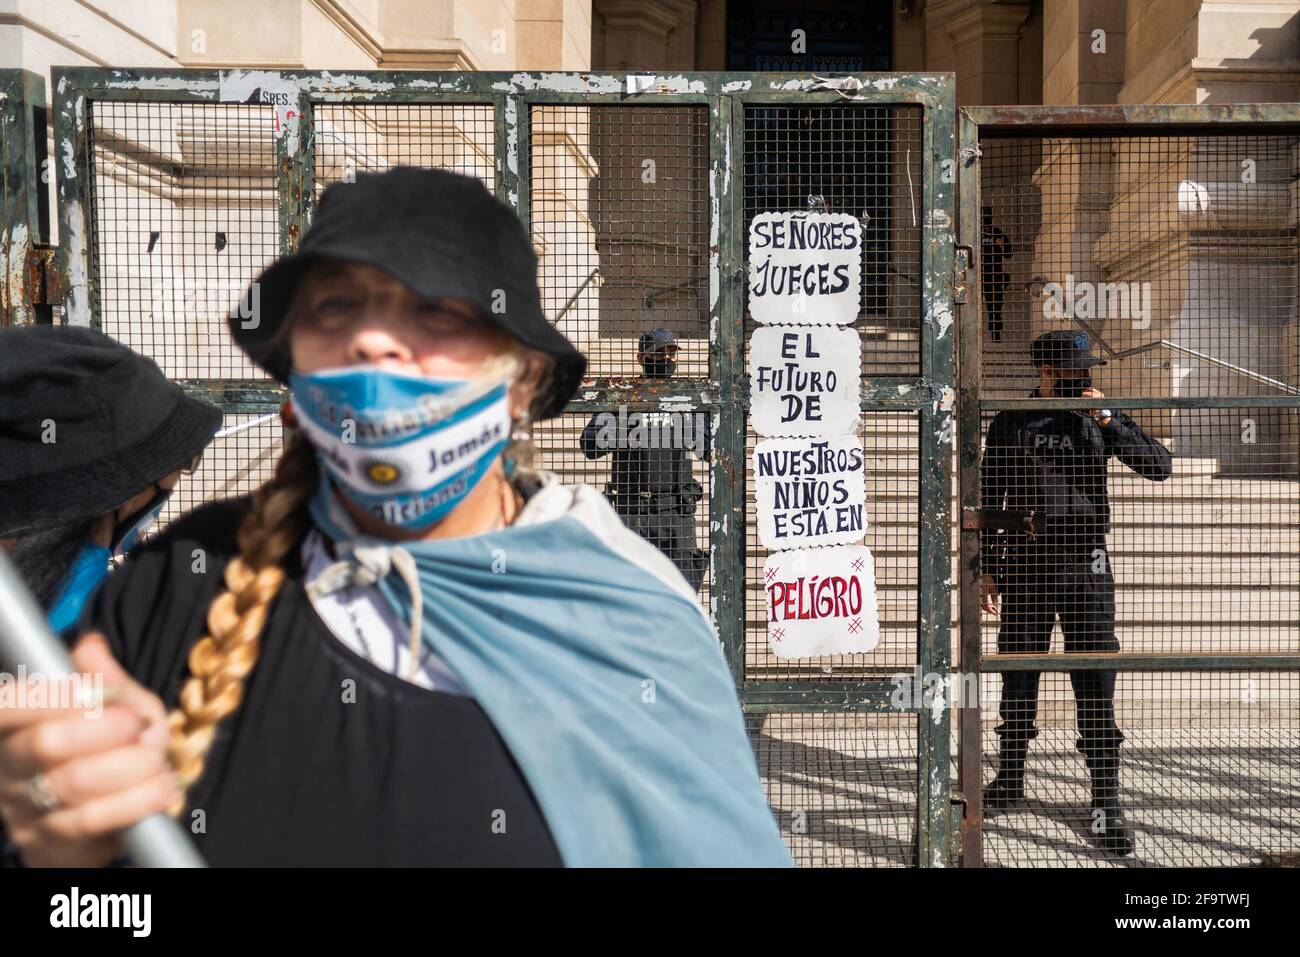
pixel 804 381
pixel 805 282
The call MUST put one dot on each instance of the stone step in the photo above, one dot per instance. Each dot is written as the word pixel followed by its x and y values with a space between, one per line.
pixel 898 568
pixel 897 652
pixel 1197 638
pixel 1149 605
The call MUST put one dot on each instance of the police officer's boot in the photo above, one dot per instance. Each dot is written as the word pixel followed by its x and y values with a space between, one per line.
pixel 1007 789
pixel 1108 825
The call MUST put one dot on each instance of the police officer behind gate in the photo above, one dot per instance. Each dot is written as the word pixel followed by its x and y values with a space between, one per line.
pixel 651 487
pixel 1050 467
pixel 995 250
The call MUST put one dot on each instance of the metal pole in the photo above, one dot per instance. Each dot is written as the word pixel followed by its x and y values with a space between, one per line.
pixel 26 640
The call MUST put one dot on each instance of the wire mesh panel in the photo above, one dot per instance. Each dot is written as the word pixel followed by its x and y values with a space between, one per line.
pixel 184 215
pixel 842 786
pixel 620 210
pixel 864 160
pixel 867 161
pixel 1150 278
pixel 1209 774
pixel 849 780
pixel 1199 558
pixel 372 137
pixel 1176 253
pixel 233 465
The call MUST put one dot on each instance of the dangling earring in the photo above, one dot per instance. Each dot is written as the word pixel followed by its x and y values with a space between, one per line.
pixel 521 434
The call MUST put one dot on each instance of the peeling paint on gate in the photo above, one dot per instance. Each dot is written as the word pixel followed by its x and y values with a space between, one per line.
pixel 77 305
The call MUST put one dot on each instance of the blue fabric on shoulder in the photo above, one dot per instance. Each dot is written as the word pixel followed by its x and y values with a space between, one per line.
pixel 608 687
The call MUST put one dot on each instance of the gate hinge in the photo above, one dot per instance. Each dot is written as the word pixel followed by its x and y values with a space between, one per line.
pixel 957 824
pixel 44 283
pixel 961 267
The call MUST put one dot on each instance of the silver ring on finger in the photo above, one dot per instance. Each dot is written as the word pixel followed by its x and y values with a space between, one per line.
pixel 41 794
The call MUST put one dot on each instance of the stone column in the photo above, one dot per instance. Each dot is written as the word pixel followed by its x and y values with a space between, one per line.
pixel 1215 216
pixel 985 48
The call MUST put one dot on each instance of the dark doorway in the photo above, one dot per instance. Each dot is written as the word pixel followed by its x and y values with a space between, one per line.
pixel 844 36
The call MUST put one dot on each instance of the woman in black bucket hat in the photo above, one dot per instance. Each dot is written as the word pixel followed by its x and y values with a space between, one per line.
pixel 93 439
pixel 409 647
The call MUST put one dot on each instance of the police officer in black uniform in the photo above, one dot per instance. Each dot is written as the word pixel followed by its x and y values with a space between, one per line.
pixel 651 488
pixel 995 250
pixel 1048 469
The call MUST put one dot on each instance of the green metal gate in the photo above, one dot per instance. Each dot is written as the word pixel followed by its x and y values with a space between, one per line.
pixel 1168 235
pixel 176 187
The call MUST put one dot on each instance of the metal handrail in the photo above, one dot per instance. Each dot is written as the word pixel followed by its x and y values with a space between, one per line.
pixel 1184 350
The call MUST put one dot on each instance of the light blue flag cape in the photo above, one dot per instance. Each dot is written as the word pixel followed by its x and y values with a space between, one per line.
pixel 607 685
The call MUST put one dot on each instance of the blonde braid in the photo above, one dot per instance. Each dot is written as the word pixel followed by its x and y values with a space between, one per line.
pixel 222 659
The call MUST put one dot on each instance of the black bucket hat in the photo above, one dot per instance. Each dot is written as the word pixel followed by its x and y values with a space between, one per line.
pixel 85 424
pixel 440 234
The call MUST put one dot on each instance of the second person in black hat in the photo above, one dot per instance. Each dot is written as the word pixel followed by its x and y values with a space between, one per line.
pixel 93 439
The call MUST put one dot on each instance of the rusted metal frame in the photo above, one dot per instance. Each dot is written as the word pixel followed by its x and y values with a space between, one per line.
pixel 642 396
pixel 728 527
pixel 295 171
pixel 386 86
pixel 237 395
pixel 898 393
pixel 74 90
pixel 817 696
pixel 926 90
pixel 1110 119
pixel 505 148
pixel 937 427
pixel 1120 661
pixel 969 427
pixel 29 282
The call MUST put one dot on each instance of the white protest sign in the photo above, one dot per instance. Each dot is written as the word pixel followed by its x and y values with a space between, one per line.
pixel 810 492
pixel 805 380
pixel 821 601
pixel 805 268
pixel 262 86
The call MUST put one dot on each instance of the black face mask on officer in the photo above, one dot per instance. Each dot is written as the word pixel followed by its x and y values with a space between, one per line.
pixel 657 365
pixel 1071 388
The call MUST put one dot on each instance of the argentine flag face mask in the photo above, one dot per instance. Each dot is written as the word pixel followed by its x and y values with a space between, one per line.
pixel 406 448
